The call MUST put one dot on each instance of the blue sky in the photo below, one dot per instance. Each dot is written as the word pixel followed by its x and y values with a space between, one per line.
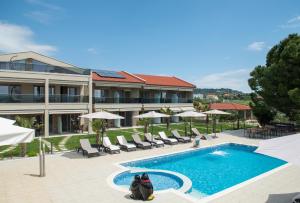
pixel 210 43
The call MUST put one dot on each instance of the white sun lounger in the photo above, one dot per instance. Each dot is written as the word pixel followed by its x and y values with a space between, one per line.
pixel 110 147
pixel 167 140
pixel 124 144
pixel 205 136
pixel 149 137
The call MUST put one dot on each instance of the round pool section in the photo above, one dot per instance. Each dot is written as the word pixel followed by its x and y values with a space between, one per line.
pixel 161 180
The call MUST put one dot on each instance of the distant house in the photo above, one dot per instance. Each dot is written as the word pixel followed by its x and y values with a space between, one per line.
pixel 200 96
pixel 233 107
pixel 212 97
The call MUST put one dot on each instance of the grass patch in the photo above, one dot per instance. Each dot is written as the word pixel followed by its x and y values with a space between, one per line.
pixel 73 142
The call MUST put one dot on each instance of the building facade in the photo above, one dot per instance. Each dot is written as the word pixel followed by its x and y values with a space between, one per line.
pixel 57 93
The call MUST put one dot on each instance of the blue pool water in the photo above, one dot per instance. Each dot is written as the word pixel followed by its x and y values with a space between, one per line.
pixel 160 181
pixel 215 168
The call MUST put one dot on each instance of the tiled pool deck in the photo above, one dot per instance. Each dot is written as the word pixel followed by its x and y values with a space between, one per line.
pixel 72 178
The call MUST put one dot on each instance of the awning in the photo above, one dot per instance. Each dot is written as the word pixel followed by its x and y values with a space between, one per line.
pixel 285 148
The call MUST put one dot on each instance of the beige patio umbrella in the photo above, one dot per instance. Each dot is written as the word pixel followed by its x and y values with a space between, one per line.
pixel 151 115
pixel 214 112
pixel 191 115
pixel 103 115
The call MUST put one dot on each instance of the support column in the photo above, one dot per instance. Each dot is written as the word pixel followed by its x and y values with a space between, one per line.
pixel 46 113
pixel 90 86
pixel 46 123
pixel 134 120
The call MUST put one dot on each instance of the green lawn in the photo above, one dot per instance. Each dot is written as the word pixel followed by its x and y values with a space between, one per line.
pixel 73 142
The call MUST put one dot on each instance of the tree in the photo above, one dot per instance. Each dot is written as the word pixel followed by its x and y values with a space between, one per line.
pixel 264 113
pixel 278 81
pixel 99 126
pixel 26 122
pixel 169 112
pixel 145 122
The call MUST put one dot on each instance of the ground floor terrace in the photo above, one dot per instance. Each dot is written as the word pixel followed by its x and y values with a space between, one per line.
pixel 72 178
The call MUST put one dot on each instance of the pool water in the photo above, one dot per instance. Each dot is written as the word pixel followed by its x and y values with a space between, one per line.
pixel 160 181
pixel 213 169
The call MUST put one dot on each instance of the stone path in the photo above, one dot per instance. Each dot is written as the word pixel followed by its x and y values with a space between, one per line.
pixel 62 143
pixel 48 144
pixel 8 149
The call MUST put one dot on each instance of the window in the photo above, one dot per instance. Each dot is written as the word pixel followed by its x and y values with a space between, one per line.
pixel 39 91
pixel 99 93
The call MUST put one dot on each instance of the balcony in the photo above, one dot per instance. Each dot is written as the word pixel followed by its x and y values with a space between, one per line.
pixel 62 98
pixel 21 98
pixel 122 100
pixel 17 66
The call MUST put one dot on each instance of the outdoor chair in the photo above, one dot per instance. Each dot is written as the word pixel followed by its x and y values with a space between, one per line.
pixel 180 138
pixel 110 147
pixel 124 144
pixel 139 143
pixel 87 149
pixel 150 138
pixel 166 140
pixel 203 136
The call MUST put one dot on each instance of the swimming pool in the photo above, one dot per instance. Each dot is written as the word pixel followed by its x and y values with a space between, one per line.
pixel 160 180
pixel 212 169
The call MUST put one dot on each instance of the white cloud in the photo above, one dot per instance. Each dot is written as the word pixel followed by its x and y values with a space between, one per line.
pixel 15 38
pixel 44 4
pixel 235 79
pixel 92 50
pixel 292 23
pixel 256 46
pixel 44 12
pixel 39 16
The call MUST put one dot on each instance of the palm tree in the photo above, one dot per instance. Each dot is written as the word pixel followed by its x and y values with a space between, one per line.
pixel 99 126
pixel 26 122
pixel 169 112
pixel 145 122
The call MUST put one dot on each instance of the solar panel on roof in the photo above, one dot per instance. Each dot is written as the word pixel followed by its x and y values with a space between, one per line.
pixel 109 74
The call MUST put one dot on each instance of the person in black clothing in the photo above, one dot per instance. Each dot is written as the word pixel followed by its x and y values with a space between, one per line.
pixel 134 188
pixel 146 187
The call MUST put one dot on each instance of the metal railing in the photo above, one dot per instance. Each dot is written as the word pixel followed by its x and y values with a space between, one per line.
pixel 17 66
pixel 63 98
pixel 21 98
pixel 139 100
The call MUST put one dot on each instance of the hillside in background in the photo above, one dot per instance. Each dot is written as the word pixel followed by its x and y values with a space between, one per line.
pixel 220 91
pixel 209 95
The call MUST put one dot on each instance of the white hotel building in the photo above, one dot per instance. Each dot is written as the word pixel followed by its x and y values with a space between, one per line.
pixel 56 93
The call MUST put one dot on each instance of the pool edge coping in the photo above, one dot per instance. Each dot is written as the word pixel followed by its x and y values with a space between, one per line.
pixel 207 198
pixel 187 183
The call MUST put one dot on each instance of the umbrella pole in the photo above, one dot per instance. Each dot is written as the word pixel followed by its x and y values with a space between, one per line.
pixel 191 127
pixel 207 124
pixel 40 156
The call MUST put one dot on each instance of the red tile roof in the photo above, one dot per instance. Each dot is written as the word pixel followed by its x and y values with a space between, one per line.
pixel 229 106
pixel 128 78
pixel 164 81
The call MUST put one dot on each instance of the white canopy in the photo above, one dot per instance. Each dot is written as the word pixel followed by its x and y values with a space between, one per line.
pixel 5 121
pixel 216 112
pixel 189 108
pixel 191 114
pixel 11 135
pixel 102 115
pixel 152 114
pixel 285 148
